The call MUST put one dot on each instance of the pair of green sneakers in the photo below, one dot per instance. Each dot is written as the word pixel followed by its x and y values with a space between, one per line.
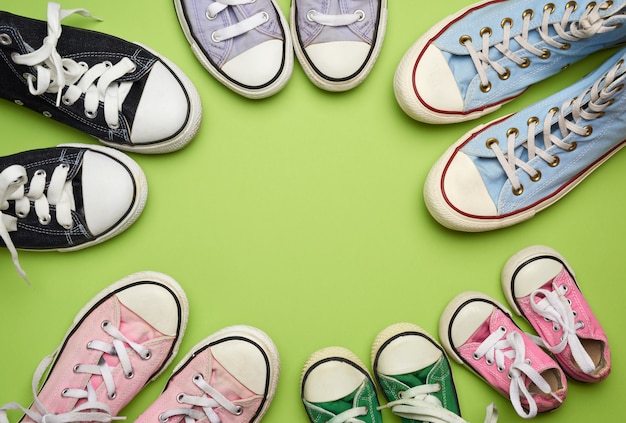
pixel 410 367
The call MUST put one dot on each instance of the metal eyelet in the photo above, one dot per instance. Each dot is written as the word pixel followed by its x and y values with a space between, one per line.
pixel 528 13
pixel 464 39
pixel 512 131
pixel 536 177
pixel 45 220
pixel 360 14
pixel 517 191
pixel 239 410
pixel 90 114
pixel 76 368
pixel 565 46
pixel 40 172
pixel 309 15
pixel 501 369
pixel 533 120
pixel 488 362
pixel 545 53
pixel 46 113
pixel 18 102
pixel 485 31
pixel 572 147
pixel 490 142
pixel 506 21
pixel 265 16
pixel 485 88
pixel 550 8
pixel 475 356
pixel 147 355
pixel 180 397
pixel 505 75
pixel 608 5
pixel 556 161
pixel 64 392
pixel 588 130
pixel 215 38
pixel 525 63
pixel 5 39
pixel 162 418
pixel 590 5
pixel 112 395
pixel 571 4
pixel 197 377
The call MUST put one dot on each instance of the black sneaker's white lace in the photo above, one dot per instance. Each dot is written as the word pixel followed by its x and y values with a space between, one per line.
pixel 590 23
pixel 418 403
pixel 202 405
pixel 43 192
pixel 588 105
pixel 90 409
pixel 240 27
pixel 71 80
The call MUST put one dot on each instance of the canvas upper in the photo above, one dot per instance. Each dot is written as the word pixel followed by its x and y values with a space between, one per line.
pixel 229 377
pixel 67 197
pixel 480 334
pixel 120 341
pixel 244 44
pixel 336 387
pixel 540 286
pixel 506 171
pixel 485 55
pixel 119 92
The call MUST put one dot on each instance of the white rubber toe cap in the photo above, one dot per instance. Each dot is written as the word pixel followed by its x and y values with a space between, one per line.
pixel 163 108
pixel 339 59
pixel 436 85
pixel 108 192
pixel 465 189
pixel 256 66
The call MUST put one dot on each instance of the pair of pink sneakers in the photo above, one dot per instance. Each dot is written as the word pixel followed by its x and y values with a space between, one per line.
pixel 125 337
pixel 480 333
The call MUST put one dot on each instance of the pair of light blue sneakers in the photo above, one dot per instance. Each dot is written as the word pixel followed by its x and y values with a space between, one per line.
pixel 504 172
pixel 248 45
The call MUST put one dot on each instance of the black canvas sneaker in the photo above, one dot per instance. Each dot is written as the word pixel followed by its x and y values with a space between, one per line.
pixel 122 93
pixel 67 197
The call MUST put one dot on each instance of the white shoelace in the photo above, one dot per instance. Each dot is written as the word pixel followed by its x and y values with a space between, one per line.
pixel 91 410
pixel 239 28
pixel 335 20
pixel 58 194
pixel 418 404
pixel 55 73
pixel 590 23
pixel 588 105
pixel 555 307
pixel 207 403
pixel 500 345
pixel 349 416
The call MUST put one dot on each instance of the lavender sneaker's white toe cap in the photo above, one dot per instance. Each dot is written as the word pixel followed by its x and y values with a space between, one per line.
pixel 163 109
pixel 465 189
pixel 108 190
pixel 257 66
pixel 338 59
pixel 435 82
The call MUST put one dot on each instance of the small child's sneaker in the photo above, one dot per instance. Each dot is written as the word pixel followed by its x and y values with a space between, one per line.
pixel 121 340
pixel 231 376
pixel 338 42
pixel 336 387
pixel 414 374
pixel 480 334
pixel 68 197
pixel 487 54
pixel 244 44
pixel 540 286
pixel 119 92
pixel 506 171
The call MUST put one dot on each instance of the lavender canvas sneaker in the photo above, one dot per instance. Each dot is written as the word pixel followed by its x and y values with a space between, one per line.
pixel 121 340
pixel 338 42
pixel 471 63
pixel 121 93
pixel 67 198
pixel 244 44
pixel 229 377
pixel 540 286
pixel 336 387
pixel 506 171
pixel 479 333
pixel 414 374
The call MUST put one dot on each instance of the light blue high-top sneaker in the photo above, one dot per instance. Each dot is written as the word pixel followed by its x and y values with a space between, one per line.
pixel 471 63
pixel 506 171
pixel 244 44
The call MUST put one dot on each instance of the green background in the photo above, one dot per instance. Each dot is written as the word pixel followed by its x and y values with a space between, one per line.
pixel 302 214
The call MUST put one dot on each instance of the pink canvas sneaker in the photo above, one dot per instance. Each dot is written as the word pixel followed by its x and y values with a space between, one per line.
pixel 479 333
pixel 120 341
pixel 229 377
pixel 540 286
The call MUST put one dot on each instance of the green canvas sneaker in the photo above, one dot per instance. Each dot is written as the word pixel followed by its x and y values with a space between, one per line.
pixel 336 387
pixel 414 374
